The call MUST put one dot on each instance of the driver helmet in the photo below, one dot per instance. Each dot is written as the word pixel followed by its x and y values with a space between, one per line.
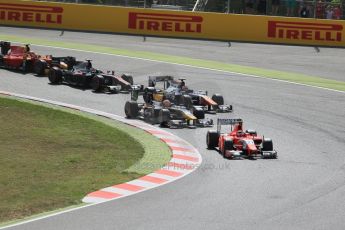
pixel 89 64
pixel 27 48
pixel 166 104
pixel 240 133
pixel 184 88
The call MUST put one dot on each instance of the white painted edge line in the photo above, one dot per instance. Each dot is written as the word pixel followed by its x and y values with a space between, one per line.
pixel 146 185
pixel 192 66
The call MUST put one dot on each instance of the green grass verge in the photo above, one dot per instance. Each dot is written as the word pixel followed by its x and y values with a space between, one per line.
pixel 292 77
pixel 51 158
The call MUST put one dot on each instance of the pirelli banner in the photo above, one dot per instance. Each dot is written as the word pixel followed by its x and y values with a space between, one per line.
pixel 180 24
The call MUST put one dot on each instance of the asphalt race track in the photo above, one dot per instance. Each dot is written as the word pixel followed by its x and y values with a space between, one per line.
pixel 302 189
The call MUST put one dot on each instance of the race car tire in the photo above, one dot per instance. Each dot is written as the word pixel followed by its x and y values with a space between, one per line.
pixel 97 82
pixel 27 66
pixel 218 99
pixel 55 76
pixel 149 116
pixel 212 137
pixel 187 101
pixel 178 99
pixel 5 47
pixel 131 109
pixel 40 66
pixel 164 116
pixel 267 144
pixel 199 113
pixel 128 78
pixel 227 145
pixel 1 59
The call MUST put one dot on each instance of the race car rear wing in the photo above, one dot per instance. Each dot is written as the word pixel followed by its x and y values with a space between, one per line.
pixel 230 121
pixel 154 79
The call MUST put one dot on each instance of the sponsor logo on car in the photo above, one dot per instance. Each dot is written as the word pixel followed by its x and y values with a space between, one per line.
pixel 31 13
pixel 305 31
pixel 165 22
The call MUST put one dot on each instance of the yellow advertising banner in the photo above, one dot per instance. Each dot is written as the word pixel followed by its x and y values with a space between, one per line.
pixel 180 24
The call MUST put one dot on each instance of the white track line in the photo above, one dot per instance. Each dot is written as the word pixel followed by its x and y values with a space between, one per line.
pixel 192 66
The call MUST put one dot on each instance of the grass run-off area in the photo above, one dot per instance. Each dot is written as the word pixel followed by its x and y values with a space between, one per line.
pixel 50 158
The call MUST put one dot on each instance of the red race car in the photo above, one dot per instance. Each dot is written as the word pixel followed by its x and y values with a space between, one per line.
pixel 21 58
pixel 239 143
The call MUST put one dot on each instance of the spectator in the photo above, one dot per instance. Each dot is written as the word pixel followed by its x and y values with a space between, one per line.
pixel 337 12
pixel 291 6
pixel 320 9
pixel 275 7
pixel 329 12
pixel 262 7
pixel 250 7
pixel 304 10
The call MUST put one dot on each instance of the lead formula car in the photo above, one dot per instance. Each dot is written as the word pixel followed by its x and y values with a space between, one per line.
pixel 239 143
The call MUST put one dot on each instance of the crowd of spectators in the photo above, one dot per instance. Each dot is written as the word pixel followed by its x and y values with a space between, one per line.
pixel 322 9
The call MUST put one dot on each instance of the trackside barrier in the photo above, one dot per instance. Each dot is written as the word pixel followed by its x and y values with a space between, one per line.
pixel 178 24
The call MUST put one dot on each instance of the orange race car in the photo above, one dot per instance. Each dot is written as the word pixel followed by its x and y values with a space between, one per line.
pixel 178 93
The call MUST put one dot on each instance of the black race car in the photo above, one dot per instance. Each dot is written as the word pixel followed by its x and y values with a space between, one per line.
pixel 82 74
pixel 163 112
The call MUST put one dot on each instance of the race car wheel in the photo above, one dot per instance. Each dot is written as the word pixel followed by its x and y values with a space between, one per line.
pixel 40 67
pixel 178 99
pixel 131 109
pixel 5 47
pixel 227 145
pixel 55 76
pixel 1 59
pixel 97 82
pixel 187 101
pixel 212 139
pixel 218 99
pixel 149 115
pixel 128 78
pixel 267 145
pixel 199 113
pixel 27 66
pixel 164 116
